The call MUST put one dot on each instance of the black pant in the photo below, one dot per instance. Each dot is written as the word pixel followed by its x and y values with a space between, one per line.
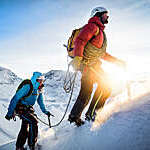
pixel 103 91
pixel 29 130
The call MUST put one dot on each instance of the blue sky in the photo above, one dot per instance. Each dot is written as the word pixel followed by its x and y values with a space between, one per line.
pixel 32 32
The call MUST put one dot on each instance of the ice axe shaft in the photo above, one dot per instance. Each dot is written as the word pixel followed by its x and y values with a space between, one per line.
pixel 49 121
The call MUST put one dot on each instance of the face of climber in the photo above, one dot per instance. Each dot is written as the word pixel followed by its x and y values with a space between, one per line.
pixel 104 18
pixel 40 81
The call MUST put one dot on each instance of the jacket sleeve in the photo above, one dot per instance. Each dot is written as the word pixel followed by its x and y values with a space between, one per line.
pixel 84 36
pixel 41 104
pixel 22 92
pixel 109 58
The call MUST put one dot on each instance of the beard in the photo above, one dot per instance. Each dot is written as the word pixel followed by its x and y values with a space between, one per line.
pixel 104 21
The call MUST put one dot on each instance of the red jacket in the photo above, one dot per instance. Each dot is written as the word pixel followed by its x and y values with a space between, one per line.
pixel 88 31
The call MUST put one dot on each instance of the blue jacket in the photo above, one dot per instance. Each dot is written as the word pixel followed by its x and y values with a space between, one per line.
pixel 29 100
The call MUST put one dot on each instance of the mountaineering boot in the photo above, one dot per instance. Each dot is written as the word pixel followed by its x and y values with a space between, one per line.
pixel 36 147
pixel 79 122
pixel 20 148
pixel 32 147
pixel 90 117
pixel 76 120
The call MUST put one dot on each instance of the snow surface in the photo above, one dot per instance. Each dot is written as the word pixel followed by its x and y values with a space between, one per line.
pixel 127 129
pixel 122 125
pixel 8 82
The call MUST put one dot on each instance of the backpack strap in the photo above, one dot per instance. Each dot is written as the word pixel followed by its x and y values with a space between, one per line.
pixel 25 82
pixel 97 32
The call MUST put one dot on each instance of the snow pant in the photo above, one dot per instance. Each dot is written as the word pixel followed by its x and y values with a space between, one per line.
pixel 29 129
pixel 103 91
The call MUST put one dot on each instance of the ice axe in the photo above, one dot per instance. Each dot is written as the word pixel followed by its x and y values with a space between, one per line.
pixel 49 121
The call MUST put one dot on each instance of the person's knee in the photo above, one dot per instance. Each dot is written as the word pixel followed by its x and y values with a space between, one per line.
pixel 34 123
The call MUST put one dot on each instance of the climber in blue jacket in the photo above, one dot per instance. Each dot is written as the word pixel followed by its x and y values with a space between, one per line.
pixel 22 104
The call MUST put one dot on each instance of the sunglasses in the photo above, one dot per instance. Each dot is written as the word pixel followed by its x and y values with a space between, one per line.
pixel 40 80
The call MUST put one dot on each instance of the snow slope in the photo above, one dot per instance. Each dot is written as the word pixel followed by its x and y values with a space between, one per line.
pixel 8 83
pixel 8 80
pixel 122 125
pixel 127 129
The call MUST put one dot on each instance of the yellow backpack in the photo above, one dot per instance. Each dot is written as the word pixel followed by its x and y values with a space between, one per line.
pixel 71 40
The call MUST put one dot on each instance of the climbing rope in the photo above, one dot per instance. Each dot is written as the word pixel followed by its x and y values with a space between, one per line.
pixel 68 87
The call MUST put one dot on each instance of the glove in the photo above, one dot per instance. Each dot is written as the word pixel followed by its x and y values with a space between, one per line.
pixel 76 62
pixel 49 114
pixel 8 117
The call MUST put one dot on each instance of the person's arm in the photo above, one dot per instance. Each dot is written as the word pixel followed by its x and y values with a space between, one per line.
pixel 19 94
pixel 112 59
pixel 41 104
pixel 109 58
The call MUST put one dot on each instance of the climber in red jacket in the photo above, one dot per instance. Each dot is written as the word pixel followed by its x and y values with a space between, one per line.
pixel 90 48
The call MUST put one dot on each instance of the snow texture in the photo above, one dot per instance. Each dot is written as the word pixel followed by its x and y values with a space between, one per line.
pixel 8 82
pixel 123 124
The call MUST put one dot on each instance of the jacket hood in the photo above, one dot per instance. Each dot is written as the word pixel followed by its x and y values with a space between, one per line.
pixel 97 21
pixel 33 79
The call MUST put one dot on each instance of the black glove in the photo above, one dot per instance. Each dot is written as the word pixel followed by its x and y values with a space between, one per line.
pixel 8 117
pixel 49 114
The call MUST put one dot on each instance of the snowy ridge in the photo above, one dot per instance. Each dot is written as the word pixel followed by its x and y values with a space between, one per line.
pixel 54 85
pixel 7 76
pixel 8 83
